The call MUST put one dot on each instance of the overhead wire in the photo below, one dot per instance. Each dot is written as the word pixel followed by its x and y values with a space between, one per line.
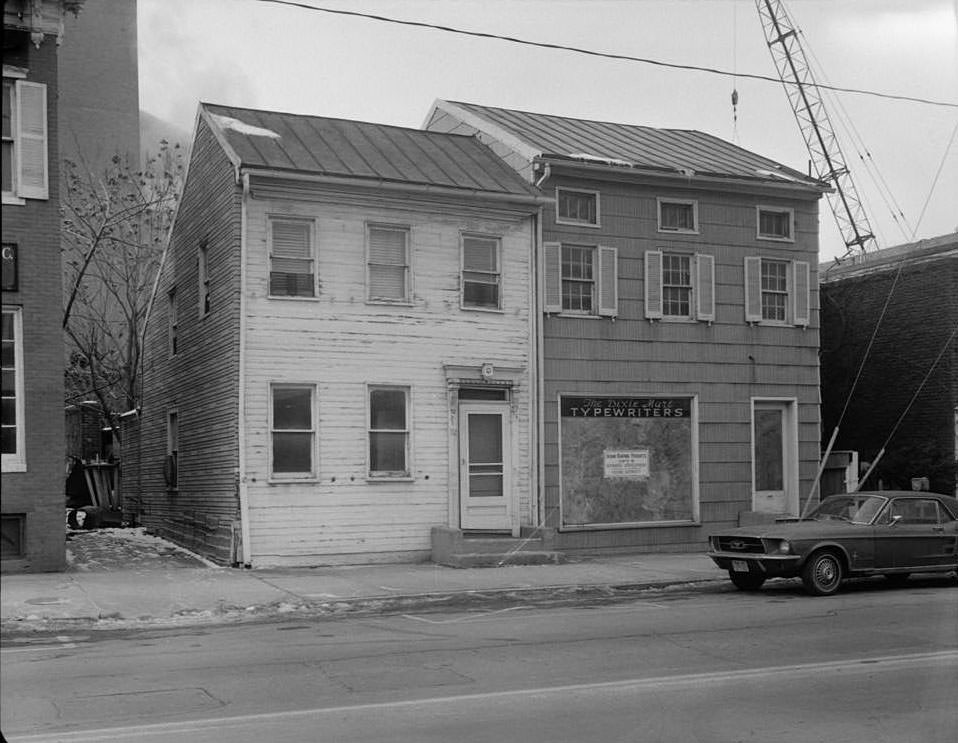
pixel 934 182
pixel 594 53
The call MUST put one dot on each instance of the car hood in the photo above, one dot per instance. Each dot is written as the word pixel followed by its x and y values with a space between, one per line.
pixel 792 529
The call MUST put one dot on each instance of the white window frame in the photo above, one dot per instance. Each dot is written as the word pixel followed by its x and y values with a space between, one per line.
pixel 389 475
pixel 407 283
pixel 203 278
pixel 690 287
pixel 578 222
pixel 272 219
pixel 313 432
pixel 702 285
pixel 20 191
pixel 798 288
pixel 786 293
pixel 173 445
pixel 661 200
pixel 17 461
pixel 462 272
pixel 173 324
pixel 594 253
pixel 790 238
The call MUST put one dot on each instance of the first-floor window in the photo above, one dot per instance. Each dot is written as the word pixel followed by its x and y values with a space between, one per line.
pixel 388 431
pixel 12 394
pixel 292 430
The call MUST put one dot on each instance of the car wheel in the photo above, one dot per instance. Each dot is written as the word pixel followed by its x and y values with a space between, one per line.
pixel 823 573
pixel 746 581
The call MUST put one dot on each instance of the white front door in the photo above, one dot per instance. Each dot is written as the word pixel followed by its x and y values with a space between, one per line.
pixel 773 455
pixel 485 492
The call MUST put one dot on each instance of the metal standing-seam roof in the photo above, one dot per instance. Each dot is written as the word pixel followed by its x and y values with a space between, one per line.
pixel 383 154
pixel 682 151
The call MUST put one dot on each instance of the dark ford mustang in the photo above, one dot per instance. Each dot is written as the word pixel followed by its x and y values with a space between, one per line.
pixel 877 533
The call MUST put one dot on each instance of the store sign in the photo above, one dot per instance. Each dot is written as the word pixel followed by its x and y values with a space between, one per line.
pixel 625 407
pixel 10 267
pixel 626 464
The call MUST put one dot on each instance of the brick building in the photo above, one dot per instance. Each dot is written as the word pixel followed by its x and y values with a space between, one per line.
pixel 893 406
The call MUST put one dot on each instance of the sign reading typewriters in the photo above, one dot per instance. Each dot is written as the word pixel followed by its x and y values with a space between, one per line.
pixel 625 407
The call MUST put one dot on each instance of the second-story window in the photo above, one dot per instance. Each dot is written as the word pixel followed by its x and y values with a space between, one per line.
pixel 777 291
pixel 578 278
pixel 678 215
pixel 172 328
pixel 679 286
pixel 774 290
pixel 676 285
pixel 387 264
pixel 481 277
pixel 203 277
pixel 291 260
pixel 577 207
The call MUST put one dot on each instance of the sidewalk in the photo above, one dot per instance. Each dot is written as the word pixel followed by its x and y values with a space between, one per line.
pixel 123 578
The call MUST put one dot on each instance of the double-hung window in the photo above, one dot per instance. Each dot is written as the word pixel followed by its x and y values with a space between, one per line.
pixel 577 207
pixel 24 161
pixel 172 468
pixel 578 279
pixel 387 263
pixel 775 224
pixel 291 260
pixel 777 291
pixel 172 327
pixel 679 286
pixel 481 274
pixel 203 277
pixel 292 431
pixel 12 419
pixel 388 431
pixel 678 215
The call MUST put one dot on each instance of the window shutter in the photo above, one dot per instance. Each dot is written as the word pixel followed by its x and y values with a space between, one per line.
pixel 753 289
pixel 608 282
pixel 32 182
pixel 653 284
pixel 387 264
pixel 705 291
pixel 552 277
pixel 802 293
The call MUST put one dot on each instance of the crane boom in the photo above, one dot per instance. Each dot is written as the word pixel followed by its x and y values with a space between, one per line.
pixel 810 113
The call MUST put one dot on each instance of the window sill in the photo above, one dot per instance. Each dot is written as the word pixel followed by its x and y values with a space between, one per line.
pixel 390 302
pixel 570 223
pixel 577 315
pixel 305 480
pixel 493 310
pixel 771 238
pixel 666 231
pixel 11 199
pixel 15 465
pixel 389 478
pixel 293 297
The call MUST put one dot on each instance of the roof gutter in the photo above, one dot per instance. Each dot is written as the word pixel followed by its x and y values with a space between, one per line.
pixel 421 189
pixel 621 172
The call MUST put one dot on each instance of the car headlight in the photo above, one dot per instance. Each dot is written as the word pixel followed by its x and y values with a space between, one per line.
pixel 779 547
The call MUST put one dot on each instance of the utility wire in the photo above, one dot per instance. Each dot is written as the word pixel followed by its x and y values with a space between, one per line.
pixel 934 183
pixel 605 55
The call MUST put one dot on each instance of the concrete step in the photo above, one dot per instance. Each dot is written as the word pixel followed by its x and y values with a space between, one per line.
pixel 455 548
pixel 499 560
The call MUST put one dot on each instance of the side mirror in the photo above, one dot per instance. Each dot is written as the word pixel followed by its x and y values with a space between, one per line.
pixel 895 519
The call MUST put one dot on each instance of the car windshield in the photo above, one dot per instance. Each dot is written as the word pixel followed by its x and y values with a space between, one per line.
pixel 858 509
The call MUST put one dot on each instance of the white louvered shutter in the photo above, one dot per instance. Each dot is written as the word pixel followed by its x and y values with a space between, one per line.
pixel 552 277
pixel 753 289
pixel 802 293
pixel 32 178
pixel 608 282
pixel 705 289
pixel 653 284
pixel 388 268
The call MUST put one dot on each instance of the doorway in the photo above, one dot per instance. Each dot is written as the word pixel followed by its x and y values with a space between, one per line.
pixel 774 457
pixel 485 489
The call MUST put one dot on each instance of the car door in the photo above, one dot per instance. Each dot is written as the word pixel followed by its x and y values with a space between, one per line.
pixel 916 533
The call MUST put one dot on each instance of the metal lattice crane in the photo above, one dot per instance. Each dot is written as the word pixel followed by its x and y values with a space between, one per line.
pixel 812 117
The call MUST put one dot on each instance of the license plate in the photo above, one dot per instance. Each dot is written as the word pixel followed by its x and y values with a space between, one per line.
pixel 740 566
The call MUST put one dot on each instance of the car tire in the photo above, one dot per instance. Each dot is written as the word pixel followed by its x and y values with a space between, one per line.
pixel 822 573
pixel 746 581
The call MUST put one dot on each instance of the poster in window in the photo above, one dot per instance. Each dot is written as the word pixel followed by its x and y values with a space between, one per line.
pixel 626 460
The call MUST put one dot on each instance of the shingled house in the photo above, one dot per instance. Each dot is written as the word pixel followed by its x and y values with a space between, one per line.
pixel 339 353
pixel 679 323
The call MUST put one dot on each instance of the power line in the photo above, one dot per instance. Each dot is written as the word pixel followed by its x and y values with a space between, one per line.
pixel 594 53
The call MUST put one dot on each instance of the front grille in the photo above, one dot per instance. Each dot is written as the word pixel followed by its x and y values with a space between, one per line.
pixel 740 544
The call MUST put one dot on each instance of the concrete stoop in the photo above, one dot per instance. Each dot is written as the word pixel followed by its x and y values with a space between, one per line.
pixel 457 549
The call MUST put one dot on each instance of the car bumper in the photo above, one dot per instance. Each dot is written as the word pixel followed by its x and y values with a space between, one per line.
pixel 771 566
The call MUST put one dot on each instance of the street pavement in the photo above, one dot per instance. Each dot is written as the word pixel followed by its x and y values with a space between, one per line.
pixel 124 578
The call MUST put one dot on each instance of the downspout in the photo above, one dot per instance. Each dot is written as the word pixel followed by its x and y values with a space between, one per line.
pixel 539 380
pixel 241 392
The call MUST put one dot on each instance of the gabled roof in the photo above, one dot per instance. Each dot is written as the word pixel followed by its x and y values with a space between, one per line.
pixel 381 154
pixel 604 143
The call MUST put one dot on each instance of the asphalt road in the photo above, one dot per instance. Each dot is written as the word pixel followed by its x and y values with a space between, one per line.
pixel 871 664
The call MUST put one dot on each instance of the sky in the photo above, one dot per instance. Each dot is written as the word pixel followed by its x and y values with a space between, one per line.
pixel 903 155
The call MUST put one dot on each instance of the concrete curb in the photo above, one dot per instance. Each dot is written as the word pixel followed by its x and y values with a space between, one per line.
pixel 304 608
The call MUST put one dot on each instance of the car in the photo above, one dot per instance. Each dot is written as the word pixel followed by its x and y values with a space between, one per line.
pixel 889 533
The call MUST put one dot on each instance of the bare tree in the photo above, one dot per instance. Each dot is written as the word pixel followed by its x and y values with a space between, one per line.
pixel 115 225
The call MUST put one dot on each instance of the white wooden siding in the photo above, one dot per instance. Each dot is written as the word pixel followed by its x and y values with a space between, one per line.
pixel 341 343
